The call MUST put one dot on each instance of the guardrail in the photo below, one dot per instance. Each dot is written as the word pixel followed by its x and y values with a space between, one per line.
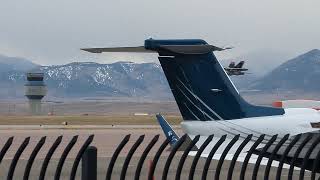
pixel 301 147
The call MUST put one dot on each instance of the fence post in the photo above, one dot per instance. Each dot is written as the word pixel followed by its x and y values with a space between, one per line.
pixel 89 164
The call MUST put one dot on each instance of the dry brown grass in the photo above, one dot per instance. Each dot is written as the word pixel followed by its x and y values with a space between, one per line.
pixel 85 120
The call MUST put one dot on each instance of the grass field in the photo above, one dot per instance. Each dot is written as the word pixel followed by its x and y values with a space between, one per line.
pixel 85 120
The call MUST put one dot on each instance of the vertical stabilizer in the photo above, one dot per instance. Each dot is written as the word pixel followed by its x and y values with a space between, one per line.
pixel 201 87
pixel 172 135
pixel 167 130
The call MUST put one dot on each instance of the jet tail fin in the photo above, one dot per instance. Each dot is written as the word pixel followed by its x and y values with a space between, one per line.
pixel 172 135
pixel 167 130
pixel 202 89
pixel 240 64
pixel 232 65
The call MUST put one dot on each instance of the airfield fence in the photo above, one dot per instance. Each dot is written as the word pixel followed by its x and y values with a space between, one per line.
pixel 88 154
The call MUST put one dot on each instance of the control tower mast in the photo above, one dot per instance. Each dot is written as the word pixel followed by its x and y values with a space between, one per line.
pixel 35 90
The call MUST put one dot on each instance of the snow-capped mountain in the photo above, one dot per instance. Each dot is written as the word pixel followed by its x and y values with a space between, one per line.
pixel 127 79
pixel 92 79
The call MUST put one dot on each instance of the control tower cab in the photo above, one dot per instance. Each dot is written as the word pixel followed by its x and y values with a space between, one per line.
pixel 35 90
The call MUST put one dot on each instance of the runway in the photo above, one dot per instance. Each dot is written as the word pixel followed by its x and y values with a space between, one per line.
pixel 79 127
pixel 106 137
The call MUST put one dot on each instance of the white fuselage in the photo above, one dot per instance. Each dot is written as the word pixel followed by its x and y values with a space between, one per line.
pixel 293 122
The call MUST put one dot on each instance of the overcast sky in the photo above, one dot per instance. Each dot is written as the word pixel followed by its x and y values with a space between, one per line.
pixel 51 32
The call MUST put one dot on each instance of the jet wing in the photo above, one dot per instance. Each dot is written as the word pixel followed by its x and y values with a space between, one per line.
pixel 312 144
pixel 235 69
pixel 230 154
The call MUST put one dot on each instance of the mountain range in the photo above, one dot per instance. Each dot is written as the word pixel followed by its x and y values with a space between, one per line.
pixel 89 79
pixel 298 74
pixel 128 79
pixel 15 64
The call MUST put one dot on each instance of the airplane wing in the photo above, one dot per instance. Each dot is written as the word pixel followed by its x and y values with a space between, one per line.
pixel 230 155
pixel 235 69
pixel 306 142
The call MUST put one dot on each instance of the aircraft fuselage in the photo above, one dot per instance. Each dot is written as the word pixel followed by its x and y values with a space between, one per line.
pixel 294 121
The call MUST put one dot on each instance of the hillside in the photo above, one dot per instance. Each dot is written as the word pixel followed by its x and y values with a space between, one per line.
pixel 15 63
pixel 298 74
pixel 146 80
pixel 88 79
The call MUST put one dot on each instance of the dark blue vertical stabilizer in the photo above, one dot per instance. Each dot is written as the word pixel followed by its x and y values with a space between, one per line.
pixel 167 130
pixel 202 89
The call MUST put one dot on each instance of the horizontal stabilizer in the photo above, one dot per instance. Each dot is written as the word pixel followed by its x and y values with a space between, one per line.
pixel 179 49
pixel 192 49
pixel 138 49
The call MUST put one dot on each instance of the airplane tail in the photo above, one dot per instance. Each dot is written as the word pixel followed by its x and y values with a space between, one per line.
pixel 201 87
pixel 232 65
pixel 167 130
pixel 172 135
pixel 240 64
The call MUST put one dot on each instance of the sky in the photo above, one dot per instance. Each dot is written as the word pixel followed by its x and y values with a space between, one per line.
pixel 52 32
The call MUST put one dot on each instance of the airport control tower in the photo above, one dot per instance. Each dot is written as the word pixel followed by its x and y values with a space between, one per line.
pixel 35 90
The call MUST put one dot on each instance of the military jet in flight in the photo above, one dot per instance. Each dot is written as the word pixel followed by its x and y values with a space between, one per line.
pixel 235 70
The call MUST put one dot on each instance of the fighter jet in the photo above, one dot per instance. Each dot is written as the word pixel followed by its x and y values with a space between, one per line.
pixel 236 70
